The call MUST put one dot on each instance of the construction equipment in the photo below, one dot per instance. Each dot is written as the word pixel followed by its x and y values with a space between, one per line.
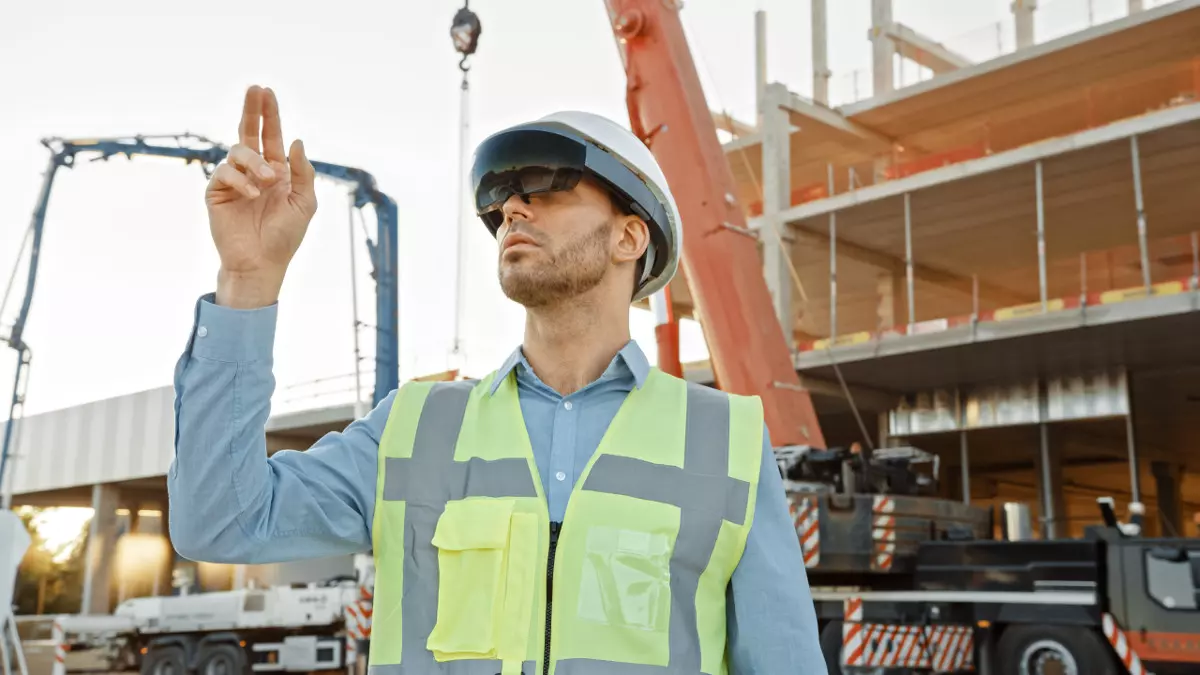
pixel 208 154
pixel 293 629
pixel 938 592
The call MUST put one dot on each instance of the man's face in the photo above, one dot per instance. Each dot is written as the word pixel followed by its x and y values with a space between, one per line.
pixel 557 246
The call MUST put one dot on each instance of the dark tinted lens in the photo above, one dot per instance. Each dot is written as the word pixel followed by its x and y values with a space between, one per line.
pixel 524 162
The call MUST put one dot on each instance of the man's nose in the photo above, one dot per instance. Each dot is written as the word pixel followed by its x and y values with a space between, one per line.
pixel 515 207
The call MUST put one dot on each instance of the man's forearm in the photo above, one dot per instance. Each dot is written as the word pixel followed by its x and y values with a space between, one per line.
pixel 229 502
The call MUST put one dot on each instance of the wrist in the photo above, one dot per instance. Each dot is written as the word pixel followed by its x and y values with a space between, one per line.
pixel 241 290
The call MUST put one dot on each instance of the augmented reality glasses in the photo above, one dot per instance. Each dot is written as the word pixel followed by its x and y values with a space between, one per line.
pixel 537 159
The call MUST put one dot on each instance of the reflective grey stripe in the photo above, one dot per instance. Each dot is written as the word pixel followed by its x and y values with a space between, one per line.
pixel 598 667
pixel 452 668
pixel 425 482
pixel 705 495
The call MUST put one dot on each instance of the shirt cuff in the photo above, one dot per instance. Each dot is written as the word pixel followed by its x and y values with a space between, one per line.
pixel 236 335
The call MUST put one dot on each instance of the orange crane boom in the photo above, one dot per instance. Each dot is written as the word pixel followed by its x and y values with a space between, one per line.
pixel 720 258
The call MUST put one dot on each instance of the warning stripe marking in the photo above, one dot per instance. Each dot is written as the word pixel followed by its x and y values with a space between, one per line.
pixel 804 512
pixel 883 532
pixel 1120 644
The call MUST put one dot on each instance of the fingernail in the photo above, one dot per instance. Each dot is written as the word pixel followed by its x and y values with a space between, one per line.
pixel 253 191
pixel 266 171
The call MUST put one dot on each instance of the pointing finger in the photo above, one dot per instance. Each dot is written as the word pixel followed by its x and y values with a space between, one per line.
pixel 251 112
pixel 252 164
pixel 272 130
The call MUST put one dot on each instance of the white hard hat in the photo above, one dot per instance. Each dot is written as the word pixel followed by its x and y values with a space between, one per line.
pixel 555 151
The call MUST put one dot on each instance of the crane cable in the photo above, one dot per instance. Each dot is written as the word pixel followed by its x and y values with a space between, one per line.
pixel 464 31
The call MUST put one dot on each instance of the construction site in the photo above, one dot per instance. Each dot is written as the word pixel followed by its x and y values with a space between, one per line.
pixel 987 277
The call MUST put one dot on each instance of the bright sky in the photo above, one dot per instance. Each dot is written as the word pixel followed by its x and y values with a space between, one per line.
pixel 367 84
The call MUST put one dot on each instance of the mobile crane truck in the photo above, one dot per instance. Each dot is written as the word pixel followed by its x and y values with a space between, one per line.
pixel 903 581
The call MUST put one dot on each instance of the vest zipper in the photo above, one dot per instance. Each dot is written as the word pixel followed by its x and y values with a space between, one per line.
pixel 555 528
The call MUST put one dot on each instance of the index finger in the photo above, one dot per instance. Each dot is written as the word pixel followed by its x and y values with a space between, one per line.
pixel 272 131
pixel 251 112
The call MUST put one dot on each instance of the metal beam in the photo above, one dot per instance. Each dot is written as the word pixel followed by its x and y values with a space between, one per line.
pixel 925 51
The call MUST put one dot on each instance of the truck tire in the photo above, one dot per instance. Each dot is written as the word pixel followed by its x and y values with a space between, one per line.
pixel 1041 650
pixel 221 659
pixel 168 660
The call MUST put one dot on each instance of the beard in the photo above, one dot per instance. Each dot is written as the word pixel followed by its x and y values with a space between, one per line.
pixel 561 274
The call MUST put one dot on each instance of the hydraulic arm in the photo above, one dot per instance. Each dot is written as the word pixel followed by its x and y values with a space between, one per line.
pixel 720 258
pixel 208 154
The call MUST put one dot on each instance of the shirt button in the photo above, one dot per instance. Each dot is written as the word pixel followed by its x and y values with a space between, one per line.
pixel 202 331
pixel 560 475
pixel 568 405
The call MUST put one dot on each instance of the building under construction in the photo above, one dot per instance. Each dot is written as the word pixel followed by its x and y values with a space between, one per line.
pixel 998 264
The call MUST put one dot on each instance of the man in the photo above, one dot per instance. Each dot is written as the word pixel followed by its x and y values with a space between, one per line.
pixel 576 510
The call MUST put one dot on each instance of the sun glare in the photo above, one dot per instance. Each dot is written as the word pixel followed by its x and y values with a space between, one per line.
pixel 59 527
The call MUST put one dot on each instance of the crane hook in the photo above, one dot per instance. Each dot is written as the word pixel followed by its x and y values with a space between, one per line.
pixel 464 31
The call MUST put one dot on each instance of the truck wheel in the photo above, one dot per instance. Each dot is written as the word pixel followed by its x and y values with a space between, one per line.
pixel 164 661
pixel 221 659
pixel 1054 650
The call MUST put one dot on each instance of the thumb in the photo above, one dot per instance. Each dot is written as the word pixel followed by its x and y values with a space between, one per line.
pixel 303 174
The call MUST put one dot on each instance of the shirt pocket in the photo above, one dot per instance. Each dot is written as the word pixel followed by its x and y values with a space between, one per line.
pixel 486 570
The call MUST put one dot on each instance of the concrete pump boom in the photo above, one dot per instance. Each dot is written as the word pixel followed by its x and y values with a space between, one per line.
pixel 208 154
pixel 720 259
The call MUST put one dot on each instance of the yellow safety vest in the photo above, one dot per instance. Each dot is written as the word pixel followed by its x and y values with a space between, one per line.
pixel 653 531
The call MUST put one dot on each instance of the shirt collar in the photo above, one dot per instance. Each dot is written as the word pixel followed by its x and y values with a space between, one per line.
pixel 631 356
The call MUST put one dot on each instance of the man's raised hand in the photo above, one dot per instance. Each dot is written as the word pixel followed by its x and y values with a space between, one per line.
pixel 260 203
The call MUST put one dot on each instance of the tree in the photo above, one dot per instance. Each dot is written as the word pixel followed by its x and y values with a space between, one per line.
pixel 43 583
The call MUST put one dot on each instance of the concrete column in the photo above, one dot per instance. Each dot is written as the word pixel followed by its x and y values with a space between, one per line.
pixel 777 196
pixel 1023 17
pixel 889 291
pixel 883 50
pixel 820 52
pixel 1167 479
pixel 166 574
pixel 101 549
pixel 1049 482
pixel 760 64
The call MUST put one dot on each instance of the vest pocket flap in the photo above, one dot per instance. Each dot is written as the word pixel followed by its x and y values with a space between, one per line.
pixel 473 524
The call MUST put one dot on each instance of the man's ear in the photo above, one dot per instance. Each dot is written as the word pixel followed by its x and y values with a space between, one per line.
pixel 633 236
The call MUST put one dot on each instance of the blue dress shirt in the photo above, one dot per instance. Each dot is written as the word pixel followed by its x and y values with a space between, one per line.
pixel 230 503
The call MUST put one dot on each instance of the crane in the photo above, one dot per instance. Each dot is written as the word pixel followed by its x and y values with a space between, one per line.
pixel 668 112
pixel 194 149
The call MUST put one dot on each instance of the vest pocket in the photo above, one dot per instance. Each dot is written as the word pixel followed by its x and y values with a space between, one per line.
pixel 485 580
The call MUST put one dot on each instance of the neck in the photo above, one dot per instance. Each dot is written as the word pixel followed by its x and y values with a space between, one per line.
pixel 570 344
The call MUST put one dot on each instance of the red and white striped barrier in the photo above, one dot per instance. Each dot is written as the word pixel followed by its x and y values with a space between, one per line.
pixel 358 615
pixel 940 648
pixel 351 655
pixel 883 532
pixel 1120 644
pixel 59 637
pixel 805 518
